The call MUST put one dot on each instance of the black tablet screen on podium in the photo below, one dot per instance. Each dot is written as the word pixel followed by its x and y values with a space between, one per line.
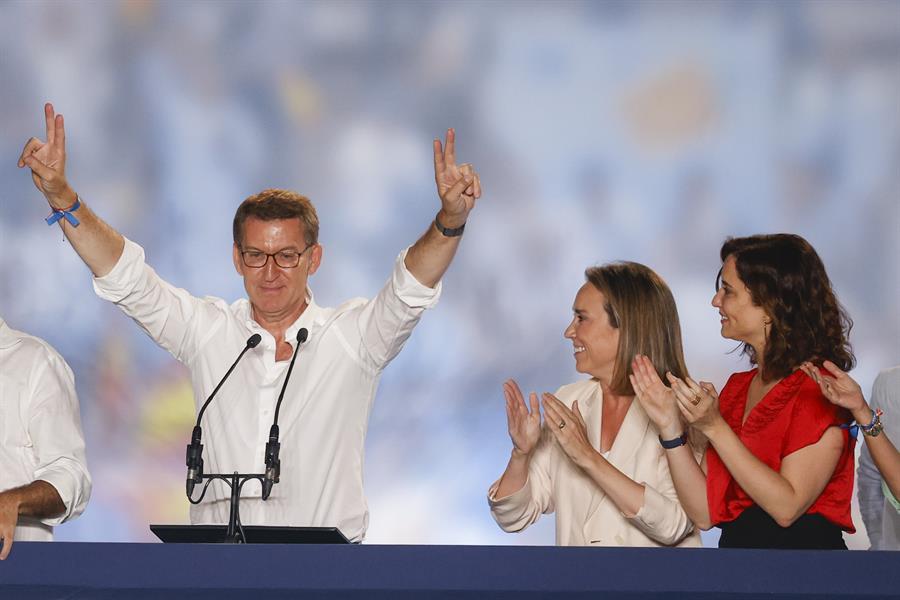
pixel 255 534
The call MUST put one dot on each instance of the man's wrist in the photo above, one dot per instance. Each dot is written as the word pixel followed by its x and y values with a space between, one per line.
pixel 63 200
pixel 449 221
pixel 11 499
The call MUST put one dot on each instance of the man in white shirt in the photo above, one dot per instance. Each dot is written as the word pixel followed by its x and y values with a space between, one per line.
pixel 324 415
pixel 44 479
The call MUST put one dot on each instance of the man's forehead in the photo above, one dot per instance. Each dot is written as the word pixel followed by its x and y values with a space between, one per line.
pixel 260 230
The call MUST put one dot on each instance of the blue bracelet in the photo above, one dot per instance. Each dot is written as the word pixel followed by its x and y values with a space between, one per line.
pixel 66 213
pixel 681 440
pixel 852 428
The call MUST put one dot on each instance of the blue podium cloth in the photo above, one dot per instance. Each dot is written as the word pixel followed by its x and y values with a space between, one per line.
pixel 80 571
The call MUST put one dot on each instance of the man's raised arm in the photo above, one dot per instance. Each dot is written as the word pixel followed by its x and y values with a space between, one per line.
pixel 98 244
pixel 459 187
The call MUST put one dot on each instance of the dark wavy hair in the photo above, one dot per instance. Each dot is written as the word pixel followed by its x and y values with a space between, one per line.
pixel 786 278
pixel 640 305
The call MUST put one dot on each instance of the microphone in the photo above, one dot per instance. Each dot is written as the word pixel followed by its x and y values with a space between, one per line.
pixel 273 464
pixel 194 454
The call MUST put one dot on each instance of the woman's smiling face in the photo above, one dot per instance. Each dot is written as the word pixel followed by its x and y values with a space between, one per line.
pixel 596 341
pixel 741 319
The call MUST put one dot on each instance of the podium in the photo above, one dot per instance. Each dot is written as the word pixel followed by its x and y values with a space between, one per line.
pixel 254 534
pixel 101 571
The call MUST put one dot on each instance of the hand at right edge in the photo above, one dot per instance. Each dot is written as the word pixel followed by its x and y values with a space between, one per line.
pixel 840 389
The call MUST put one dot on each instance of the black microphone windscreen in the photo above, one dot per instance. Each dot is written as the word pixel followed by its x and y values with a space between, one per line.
pixel 302 335
pixel 254 340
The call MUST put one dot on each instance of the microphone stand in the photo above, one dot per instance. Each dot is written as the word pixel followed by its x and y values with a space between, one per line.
pixel 234 534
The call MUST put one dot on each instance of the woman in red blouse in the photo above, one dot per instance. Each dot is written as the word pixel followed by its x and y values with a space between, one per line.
pixel 778 472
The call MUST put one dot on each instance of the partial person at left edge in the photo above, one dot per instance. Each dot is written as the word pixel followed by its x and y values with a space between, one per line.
pixel 44 480
pixel 341 351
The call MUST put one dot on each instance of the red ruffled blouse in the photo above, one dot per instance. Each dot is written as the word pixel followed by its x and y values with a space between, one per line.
pixel 793 415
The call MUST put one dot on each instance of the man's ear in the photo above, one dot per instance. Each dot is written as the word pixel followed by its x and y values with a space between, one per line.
pixel 315 258
pixel 236 257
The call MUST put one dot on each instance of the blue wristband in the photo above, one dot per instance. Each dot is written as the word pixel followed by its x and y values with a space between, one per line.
pixel 670 444
pixel 852 428
pixel 65 213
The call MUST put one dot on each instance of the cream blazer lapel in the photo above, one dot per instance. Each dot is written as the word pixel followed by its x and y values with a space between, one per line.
pixel 624 449
pixel 592 411
pixel 591 407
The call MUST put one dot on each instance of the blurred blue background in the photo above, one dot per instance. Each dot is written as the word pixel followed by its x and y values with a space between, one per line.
pixel 645 131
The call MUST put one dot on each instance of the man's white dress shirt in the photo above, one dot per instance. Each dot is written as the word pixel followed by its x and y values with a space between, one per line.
pixel 40 428
pixel 325 411
pixel 882 519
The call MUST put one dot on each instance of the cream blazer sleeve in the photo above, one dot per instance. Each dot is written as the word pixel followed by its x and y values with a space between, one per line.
pixel 585 515
pixel 522 508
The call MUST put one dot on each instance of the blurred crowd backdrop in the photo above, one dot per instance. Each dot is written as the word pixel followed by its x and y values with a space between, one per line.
pixel 645 131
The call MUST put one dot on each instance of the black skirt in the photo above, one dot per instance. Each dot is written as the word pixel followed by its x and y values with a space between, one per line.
pixel 754 528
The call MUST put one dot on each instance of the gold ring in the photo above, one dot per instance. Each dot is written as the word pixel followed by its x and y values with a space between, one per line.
pixel 696 399
pixel 562 424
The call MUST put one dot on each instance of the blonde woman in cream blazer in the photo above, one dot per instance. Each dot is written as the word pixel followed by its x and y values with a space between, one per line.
pixel 597 461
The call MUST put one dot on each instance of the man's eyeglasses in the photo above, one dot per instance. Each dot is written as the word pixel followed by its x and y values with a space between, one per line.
pixel 286 259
